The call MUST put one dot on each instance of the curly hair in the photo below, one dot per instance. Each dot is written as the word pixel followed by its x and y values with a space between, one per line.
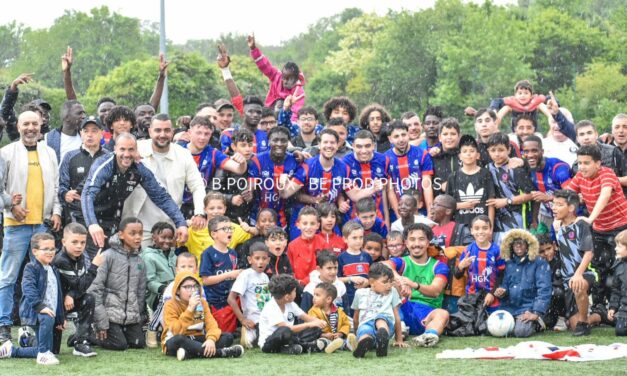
pixel 336 102
pixel 365 114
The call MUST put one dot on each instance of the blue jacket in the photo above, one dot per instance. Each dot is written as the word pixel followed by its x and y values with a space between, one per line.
pixel 53 139
pixel 105 206
pixel 34 282
pixel 527 279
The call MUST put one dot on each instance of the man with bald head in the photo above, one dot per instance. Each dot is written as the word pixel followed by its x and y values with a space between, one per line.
pixel 112 178
pixel 32 179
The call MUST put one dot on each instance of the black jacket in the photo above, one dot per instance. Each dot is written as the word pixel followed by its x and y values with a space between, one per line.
pixel 444 164
pixel 230 185
pixel 279 265
pixel 76 275
pixel 618 299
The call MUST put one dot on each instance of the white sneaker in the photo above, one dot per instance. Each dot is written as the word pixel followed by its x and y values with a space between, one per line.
pixel 47 359
pixel 560 326
pixel 247 338
pixel 6 350
pixel 426 340
pixel 180 354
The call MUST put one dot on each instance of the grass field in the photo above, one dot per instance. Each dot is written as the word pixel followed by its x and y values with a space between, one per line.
pixel 412 361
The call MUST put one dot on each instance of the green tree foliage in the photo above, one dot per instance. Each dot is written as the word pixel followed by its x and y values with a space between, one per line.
pixel 11 35
pixel 191 80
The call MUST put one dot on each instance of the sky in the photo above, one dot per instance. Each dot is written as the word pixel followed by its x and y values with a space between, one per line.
pixel 198 19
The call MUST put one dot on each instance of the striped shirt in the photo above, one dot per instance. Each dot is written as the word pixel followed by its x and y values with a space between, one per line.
pixel 614 215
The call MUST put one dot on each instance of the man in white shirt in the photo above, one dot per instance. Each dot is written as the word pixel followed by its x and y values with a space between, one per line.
pixel 66 138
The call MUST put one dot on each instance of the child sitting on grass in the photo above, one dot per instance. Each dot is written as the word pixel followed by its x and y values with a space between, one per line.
pixel 337 331
pixel 618 300
pixel 190 331
pixel 326 271
pixel 376 313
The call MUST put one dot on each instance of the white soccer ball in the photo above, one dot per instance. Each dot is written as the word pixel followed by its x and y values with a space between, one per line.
pixel 500 323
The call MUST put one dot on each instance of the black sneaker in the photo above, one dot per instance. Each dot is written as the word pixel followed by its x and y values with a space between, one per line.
pixel 600 310
pixel 71 340
pixel 5 333
pixel 291 349
pixel 232 352
pixel 84 350
pixel 582 329
pixel 363 346
pixel 383 340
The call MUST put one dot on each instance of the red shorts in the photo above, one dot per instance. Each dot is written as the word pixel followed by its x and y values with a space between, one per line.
pixel 225 317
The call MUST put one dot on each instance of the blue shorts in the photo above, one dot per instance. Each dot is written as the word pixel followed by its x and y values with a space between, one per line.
pixel 369 327
pixel 414 315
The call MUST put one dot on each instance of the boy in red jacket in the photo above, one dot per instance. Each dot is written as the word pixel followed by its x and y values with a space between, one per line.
pixel 302 250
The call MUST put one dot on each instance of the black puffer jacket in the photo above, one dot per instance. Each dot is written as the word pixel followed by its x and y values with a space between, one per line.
pixel 76 275
pixel 618 299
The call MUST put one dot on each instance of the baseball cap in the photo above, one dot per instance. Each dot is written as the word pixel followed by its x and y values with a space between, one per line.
pixel 221 103
pixel 91 120
pixel 42 103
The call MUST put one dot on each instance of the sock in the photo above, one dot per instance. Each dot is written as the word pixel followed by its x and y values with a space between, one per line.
pixel 431 331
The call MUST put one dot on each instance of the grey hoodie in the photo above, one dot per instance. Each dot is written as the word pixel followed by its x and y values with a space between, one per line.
pixel 119 287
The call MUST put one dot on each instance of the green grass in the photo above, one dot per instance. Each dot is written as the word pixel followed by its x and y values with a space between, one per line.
pixel 410 361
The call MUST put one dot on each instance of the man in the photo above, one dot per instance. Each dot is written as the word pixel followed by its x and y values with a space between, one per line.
pixel 324 178
pixel 253 107
pixel 547 174
pixel 8 103
pixel 338 126
pixel 143 114
pixel 414 126
pixel 411 168
pixel 75 167
pixel 174 168
pixel 266 169
pixel 365 167
pixel 433 116
pixel 112 178
pixel 32 178
pixel 619 132
pixel 104 105
pixel 611 156
pixel 66 138
pixel 207 159
pixel 226 113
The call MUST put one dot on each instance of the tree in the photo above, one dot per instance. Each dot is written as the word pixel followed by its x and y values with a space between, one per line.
pixel 11 36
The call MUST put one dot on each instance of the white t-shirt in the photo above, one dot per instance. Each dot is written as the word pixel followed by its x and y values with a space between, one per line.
pixel 314 280
pixel 271 316
pixel 565 151
pixel 69 143
pixel 398 224
pixel 253 289
pixel 370 304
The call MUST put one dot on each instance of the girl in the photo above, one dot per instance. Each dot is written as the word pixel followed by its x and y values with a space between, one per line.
pixel 328 225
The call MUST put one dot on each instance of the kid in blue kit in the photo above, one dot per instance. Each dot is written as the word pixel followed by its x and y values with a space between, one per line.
pixel 366 210
pixel 41 305
pixel 377 315
pixel 326 271
pixel 251 287
pixel 218 270
pixel 482 261
pixel 354 264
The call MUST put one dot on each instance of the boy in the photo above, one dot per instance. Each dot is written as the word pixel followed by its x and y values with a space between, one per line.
pixel 345 109
pixel 513 189
pixel 422 280
pixel 376 313
pixel 554 317
pixel 373 245
pixel 77 274
pixel 618 301
pixel 366 210
pixel 574 239
pixel 482 260
pixel 251 288
pixel 277 332
pixel 407 210
pixel 337 331
pixel 218 269
pixel 447 232
pixel 279 263
pixel 302 250
pixel 354 264
pixel 471 185
pixel 119 291
pixel 234 186
pixel 304 132
pixel 523 102
pixel 599 187
pixel 160 261
pixel 42 303
pixel 266 219
pixel 199 240
pixel 328 223
pixel 396 245
pixel 326 271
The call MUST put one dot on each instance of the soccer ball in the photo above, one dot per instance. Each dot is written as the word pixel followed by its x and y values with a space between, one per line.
pixel 500 323
pixel 27 337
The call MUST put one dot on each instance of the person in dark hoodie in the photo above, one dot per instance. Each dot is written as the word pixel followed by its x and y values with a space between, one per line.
pixel 617 311
pixel 189 329
pixel 77 273
pixel 119 291
pixel 445 160
pixel 526 287
pixel 41 305
pixel 276 240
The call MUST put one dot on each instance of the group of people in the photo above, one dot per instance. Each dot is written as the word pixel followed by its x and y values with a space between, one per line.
pixel 295 236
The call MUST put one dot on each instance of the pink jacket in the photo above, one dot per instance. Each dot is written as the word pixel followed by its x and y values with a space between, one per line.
pixel 276 90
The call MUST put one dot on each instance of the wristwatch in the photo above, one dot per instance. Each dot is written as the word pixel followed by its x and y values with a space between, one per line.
pixel 509 202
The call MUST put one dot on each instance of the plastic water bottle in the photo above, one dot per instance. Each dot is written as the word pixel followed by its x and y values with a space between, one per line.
pixel 199 314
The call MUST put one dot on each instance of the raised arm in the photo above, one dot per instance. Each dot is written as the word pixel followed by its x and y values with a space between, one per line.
pixel 8 103
pixel 223 62
pixel 263 63
pixel 163 73
pixel 66 66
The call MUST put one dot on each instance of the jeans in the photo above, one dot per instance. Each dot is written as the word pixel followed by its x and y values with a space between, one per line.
pixel 15 247
pixel 45 328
